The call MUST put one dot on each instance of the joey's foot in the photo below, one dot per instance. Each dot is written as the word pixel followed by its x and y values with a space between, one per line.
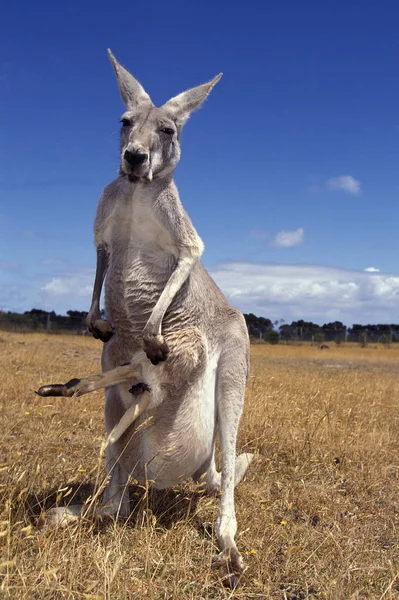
pixel 139 388
pixel 230 560
pixel 67 390
pixel 155 348
pixel 101 330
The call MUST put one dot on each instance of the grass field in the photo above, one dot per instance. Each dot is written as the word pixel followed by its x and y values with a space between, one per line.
pixel 318 513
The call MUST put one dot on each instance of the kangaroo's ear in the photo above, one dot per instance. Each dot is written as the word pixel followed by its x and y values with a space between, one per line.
pixel 132 92
pixel 180 107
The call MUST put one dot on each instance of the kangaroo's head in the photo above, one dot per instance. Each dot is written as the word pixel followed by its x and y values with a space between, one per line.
pixel 150 136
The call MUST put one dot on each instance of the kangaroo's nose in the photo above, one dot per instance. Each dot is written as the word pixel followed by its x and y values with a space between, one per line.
pixel 135 158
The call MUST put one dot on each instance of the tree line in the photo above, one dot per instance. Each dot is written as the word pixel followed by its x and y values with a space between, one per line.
pixel 38 319
pixel 336 331
pixel 258 327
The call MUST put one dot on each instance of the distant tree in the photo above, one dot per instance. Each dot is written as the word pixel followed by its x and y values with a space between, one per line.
pixel 17 321
pixel 334 331
pixel 272 337
pixel 386 339
pixel 74 314
pixel 36 311
pixel 257 326
pixel 302 330
pixel 335 326
pixel 286 332
pixel 318 336
pixel 77 319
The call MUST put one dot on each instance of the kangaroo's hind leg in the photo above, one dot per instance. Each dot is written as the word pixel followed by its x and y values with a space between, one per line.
pixel 231 381
pixel 116 494
pixel 212 479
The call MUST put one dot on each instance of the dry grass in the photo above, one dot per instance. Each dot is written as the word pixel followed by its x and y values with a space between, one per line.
pixel 318 512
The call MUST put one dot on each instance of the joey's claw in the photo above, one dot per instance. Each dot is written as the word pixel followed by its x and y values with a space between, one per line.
pixel 101 330
pixel 155 348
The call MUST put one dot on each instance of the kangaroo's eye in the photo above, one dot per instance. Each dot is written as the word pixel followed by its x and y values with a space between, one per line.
pixel 168 130
pixel 126 122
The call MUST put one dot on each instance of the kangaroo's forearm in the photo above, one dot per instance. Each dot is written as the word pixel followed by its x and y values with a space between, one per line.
pixel 101 271
pixel 183 269
pixel 100 328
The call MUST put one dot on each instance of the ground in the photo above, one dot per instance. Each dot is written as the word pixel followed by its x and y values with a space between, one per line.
pixel 318 513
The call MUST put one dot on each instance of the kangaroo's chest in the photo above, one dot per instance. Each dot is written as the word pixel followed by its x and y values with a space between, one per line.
pixel 142 256
pixel 135 229
pixel 148 233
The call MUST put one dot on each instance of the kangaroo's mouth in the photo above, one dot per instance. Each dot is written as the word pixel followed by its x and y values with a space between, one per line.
pixel 135 174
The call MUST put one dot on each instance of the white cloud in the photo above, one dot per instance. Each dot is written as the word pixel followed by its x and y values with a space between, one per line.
pixel 310 292
pixel 313 293
pixel 68 291
pixel 287 239
pixel 62 286
pixel 344 183
pixel 372 270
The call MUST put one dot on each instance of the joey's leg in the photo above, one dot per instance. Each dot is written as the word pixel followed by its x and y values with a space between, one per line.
pixel 99 327
pixel 141 393
pixel 126 373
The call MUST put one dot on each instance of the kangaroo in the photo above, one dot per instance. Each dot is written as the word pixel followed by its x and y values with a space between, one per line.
pixel 174 351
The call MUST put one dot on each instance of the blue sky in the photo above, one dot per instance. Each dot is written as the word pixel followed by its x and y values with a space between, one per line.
pixel 289 172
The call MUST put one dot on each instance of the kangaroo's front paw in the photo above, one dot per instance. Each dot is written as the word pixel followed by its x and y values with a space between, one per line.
pixel 155 347
pixel 101 330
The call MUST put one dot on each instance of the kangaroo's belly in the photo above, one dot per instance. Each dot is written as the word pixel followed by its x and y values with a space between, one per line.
pixel 172 440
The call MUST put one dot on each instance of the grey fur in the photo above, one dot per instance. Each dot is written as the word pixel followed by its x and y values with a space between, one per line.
pixel 159 297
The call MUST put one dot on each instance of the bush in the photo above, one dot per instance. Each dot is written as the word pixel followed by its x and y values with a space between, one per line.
pixel 386 339
pixel 272 337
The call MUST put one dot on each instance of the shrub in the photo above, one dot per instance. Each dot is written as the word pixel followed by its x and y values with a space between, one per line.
pixel 272 337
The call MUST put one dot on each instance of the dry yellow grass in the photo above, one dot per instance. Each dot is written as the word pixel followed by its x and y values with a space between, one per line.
pixel 318 513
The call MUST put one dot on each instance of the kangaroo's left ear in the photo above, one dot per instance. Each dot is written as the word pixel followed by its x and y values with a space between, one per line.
pixel 180 107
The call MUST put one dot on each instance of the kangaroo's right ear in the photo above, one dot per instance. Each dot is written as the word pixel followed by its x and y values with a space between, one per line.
pixel 132 92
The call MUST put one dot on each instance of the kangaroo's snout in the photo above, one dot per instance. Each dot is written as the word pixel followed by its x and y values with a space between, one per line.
pixel 135 159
